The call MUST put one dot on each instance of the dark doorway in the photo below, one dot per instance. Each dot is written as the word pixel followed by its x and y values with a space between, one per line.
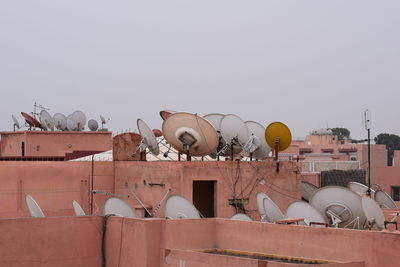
pixel 203 197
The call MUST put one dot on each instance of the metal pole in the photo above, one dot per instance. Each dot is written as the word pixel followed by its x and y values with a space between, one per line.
pixel 369 163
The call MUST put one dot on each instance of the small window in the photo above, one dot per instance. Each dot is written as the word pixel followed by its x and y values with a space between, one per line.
pixel 396 193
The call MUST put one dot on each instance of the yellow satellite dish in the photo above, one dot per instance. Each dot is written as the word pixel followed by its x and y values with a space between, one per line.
pixel 278 136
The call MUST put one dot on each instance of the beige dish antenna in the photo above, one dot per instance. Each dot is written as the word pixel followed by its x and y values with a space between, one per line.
pixel 190 134
pixel 166 113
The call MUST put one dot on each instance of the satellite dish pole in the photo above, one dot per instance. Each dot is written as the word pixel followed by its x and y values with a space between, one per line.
pixel 367 123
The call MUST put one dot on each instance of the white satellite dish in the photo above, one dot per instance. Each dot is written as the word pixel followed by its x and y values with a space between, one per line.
pixel 241 217
pixel 79 119
pixel 260 205
pixel 177 207
pixel 78 209
pixel 307 189
pixel 359 188
pixel 70 123
pixel 148 138
pixel 256 146
pixel 301 209
pixel 33 207
pixel 234 132
pixel 272 212
pixel 384 200
pixel 16 123
pixel 60 121
pixel 46 120
pixel 373 212
pixel 340 206
pixel 215 120
pixel 93 125
pixel 118 207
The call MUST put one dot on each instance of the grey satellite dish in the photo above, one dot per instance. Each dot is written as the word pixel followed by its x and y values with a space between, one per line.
pixel 60 121
pixel 16 123
pixel 241 217
pixel 373 212
pixel 177 207
pixel 234 132
pixel 256 146
pixel 118 207
pixel 307 189
pixel 33 207
pixel 46 120
pixel 78 209
pixel 79 119
pixel 272 212
pixel 215 120
pixel 70 123
pixel 103 121
pixel 93 125
pixel 148 138
pixel 340 206
pixel 301 209
pixel 260 205
pixel 384 200
pixel 359 188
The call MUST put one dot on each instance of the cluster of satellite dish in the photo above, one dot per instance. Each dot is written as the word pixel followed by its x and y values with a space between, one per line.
pixel 215 135
pixel 73 122
pixel 333 206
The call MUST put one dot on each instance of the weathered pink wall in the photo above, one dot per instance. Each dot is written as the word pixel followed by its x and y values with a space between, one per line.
pixel 53 184
pixel 282 187
pixel 338 245
pixel 49 242
pixel 43 143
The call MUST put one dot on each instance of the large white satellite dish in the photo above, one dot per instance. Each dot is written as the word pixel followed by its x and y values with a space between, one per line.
pixel 307 189
pixel 79 119
pixel 177 207
pixel 241 217
pixel 301 209
pixel 60 121
pixel 260 205
pixel 46 120
pixel 256 146
pixel 359 188
pixel 118 207
pixel 78 209
pixel 340 206
pixel 272 212
pixel 148 138
pixel 234 132
pixel 384 200
pixel 70 123
pixel 33 207
pixel 373 212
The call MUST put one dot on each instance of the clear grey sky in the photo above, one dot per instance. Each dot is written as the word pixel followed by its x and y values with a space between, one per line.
pixel 308 64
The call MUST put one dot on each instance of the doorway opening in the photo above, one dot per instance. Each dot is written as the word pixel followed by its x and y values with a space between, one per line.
pixel 204 198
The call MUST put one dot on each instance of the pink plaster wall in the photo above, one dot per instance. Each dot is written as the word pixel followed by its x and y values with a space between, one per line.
pixel 282 187
pixel 49 242
pixel 43 143
pixel 53 184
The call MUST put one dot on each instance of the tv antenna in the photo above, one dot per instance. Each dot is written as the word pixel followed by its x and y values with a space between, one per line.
pixel 367 125
pixel 241 217
pixel 373 212
pixel 15 123
pixel 307 189
pixel 190 134
pixel 103 122
pixel 278 137
pixel 272 212
pixel 77 208
pixel 301 209
pixel 215 120
pixel 79 120
pixel 384 200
